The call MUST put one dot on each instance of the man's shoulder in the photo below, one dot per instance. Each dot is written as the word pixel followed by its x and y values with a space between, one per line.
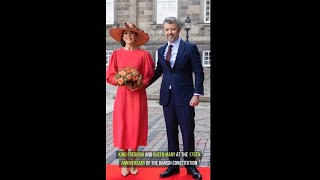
pixel 187 43
pixel 162 46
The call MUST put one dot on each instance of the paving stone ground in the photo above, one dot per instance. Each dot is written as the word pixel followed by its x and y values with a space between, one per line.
pixel 157 138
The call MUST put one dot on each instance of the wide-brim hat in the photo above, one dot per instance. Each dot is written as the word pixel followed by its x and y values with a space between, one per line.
pixel 141 38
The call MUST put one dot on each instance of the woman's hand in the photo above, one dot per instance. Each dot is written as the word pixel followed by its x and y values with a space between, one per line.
pixel 129 86
pixel 138 84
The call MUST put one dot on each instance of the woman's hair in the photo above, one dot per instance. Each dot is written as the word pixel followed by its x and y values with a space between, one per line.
pixel 173 20
pixel 122 42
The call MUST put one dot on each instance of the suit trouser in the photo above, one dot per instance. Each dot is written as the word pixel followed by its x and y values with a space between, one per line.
pixel 183 116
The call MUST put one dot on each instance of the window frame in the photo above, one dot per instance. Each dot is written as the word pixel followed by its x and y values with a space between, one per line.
pixel 157 20
pixel 205 11
pixel 203 58
pixel 108 57
pixel 110 20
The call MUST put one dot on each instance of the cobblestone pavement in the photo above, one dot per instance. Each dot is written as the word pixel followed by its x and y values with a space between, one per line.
pixel 157 138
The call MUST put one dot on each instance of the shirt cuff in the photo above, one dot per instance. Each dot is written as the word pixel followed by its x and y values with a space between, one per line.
pixel 196 94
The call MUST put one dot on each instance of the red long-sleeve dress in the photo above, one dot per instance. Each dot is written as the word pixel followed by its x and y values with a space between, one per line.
pixel 130 112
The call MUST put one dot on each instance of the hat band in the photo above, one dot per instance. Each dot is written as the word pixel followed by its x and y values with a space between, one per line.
pixel 134 27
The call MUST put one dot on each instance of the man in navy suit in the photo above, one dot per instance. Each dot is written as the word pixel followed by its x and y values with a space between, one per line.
pixel 179 94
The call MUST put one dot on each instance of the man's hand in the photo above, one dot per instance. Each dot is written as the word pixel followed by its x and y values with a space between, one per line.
pixel 194 101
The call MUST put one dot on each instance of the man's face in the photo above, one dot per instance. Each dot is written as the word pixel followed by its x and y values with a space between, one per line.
pixel 171 31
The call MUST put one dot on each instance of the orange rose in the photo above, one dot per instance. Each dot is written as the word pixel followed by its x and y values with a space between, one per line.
pixel 129 77
pixel 135 78
pixel 120 81
pixel 129 70
pixel 122 73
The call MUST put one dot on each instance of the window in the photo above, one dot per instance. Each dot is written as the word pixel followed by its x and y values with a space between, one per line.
pixel 207 11
pixel 110 11
pixel 108 56
pixel 206 58
pixel 166 8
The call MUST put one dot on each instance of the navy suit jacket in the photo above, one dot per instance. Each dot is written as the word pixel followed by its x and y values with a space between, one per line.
pixel 180 77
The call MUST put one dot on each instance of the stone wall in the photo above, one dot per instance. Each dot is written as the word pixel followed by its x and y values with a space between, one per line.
pixel 143 14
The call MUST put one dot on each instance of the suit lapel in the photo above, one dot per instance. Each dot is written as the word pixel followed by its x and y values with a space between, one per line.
pixel 161 51
pixel 181 50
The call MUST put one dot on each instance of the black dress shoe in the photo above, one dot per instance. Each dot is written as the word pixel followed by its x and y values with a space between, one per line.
pixel 194 172
pixel 169 172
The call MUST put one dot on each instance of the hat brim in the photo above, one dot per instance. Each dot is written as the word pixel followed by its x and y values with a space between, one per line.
pixel 141 39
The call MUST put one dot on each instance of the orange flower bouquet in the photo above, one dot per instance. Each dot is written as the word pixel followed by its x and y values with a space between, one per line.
pixel 128 77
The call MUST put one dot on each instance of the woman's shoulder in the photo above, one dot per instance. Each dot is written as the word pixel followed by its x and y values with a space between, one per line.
pixel 117 50
pixel 143 51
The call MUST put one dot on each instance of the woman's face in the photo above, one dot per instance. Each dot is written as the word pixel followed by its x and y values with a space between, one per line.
pixel 129 37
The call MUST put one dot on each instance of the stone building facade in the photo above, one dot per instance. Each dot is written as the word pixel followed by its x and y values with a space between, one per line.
pixel 144 14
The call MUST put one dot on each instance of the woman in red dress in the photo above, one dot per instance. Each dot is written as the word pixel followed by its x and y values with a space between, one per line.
pixel 130 113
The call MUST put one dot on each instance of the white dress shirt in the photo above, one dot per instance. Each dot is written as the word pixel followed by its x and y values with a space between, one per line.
pixel 174 51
